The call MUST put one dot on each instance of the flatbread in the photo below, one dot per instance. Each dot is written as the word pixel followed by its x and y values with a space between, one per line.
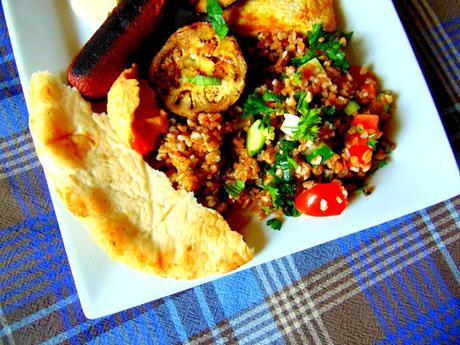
pixel 249 17
pixel 132 211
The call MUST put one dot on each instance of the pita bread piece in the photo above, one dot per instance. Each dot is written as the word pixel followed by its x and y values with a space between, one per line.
pixel 131 210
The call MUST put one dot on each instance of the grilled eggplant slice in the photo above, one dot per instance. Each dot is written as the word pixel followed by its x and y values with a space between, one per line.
pixel 197 72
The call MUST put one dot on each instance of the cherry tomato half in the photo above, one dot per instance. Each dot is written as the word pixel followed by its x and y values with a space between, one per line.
pixel 322 200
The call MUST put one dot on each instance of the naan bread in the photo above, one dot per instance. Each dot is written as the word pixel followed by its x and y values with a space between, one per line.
pixel 249 17
pixel 131 210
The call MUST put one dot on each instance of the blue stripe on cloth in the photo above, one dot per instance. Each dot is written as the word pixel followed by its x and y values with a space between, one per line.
pixel 238 292
pixel 38 315
pixel 322 254
pixel 216 307
pixel 174 317
pixel 189 312
pixel 207 314
pixel 367 293
pixel 442 247
pixel 12 117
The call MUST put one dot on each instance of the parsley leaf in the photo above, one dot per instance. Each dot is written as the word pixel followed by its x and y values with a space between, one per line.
pixel 256 104
pixel 329 45
pixel 274 223
pixel 234 189
pixel 215 14
pixel 307 128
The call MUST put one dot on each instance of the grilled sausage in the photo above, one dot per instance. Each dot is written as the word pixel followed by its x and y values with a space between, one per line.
pixel 107 53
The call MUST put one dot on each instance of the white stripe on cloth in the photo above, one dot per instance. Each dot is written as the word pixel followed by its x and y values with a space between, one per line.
pixel 15 141
pixel 5 154
pixel 428 246
pixel 22 160
pixel 442 247
pixel 20 170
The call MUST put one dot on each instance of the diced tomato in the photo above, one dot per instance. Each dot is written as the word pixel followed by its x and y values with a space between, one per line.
pixel 322 200
pixel 366 120
pixel 149 120
pixel 359 150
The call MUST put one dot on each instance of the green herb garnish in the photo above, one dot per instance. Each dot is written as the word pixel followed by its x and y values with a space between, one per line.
pixel 217 20
pixel 256 104
pixel 234 189
pixel 372 141
pixel 274 223
pixel 308 128
pixel 202 80
pixel 329 45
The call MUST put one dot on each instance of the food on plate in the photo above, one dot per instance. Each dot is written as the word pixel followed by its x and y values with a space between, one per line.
pixel 200 5
pixel 108 51
pixel 131 210
pixel 196 138
pixel 134 112
pixel 196 71
pixel 250 17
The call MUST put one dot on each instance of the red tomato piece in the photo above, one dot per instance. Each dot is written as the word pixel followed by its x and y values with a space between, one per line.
pixel 366 120
pixel 322 200
pixel 359 151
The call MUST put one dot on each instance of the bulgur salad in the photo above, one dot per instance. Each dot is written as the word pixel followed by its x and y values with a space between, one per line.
pixel 306 133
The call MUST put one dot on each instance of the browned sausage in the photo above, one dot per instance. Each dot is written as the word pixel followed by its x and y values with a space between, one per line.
pixel 107 53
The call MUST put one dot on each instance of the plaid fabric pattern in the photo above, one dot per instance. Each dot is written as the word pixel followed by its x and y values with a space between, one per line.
pixel 397 283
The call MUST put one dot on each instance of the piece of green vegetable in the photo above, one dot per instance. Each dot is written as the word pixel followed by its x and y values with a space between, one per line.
pixel 274 223
pixel 351 108
pixel 308 128
pixel 234 189
pixel 255 139
pixel 372 141
pixel 202 80
pixel 330 46
pixel 217 20
pixel 322 150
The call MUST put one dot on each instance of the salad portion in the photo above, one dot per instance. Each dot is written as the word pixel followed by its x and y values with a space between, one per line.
pixel 309 135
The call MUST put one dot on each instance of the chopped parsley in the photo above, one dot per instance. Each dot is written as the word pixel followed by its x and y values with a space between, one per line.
pixel 308 127
pixel 372 141
pixel 282 189
pixel 329 45
pixel 234 189
pixel 274 223
pixel 217 20
pixel 256 104
pixel 202 80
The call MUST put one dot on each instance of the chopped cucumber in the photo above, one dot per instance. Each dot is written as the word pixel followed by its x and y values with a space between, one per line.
pixel 314 65
pixel 256 137
pixel 319 154
pixel 351 108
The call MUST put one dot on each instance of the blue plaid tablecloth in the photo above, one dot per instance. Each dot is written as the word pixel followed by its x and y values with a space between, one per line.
pixel 397 283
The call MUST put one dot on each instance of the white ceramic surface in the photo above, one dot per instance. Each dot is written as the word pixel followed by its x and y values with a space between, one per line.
pixel 45 35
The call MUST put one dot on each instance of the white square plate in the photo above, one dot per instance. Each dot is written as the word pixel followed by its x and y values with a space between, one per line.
pixel 46 35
